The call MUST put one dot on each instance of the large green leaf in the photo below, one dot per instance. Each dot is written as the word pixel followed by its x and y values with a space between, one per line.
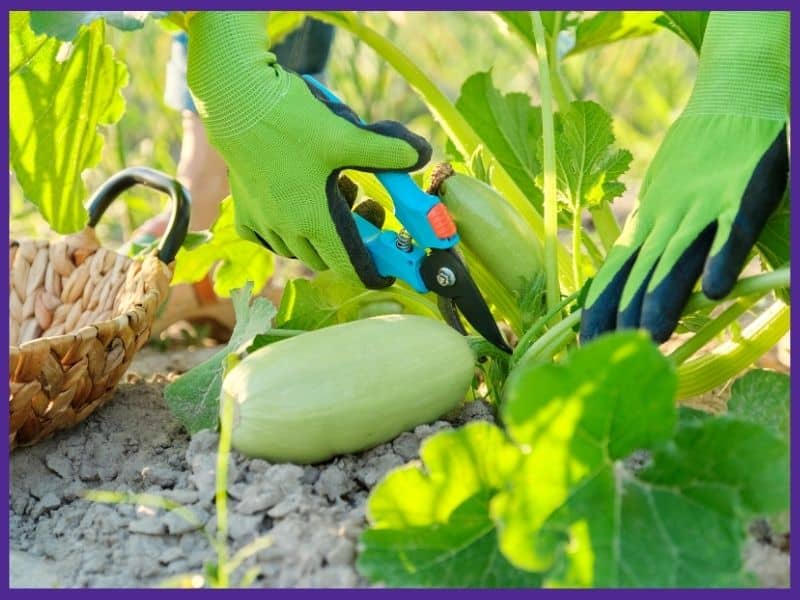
pixel 59 96
pixel 587 164
pixel 194 397
pixel 690 25
pixel 232 260
pixel 562 499
pixel 762 397
pixel 607 27
pixel 574 512
pixel 431 526
pixel 510 127
pixel 65 24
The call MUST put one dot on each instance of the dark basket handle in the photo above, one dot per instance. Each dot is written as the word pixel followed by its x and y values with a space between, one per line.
pixel 181 204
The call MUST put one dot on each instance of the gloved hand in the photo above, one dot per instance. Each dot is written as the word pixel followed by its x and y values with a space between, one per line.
pixel 285 146
pixel 720 172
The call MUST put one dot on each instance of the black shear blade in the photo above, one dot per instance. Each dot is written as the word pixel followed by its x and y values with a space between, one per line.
pixel 445 274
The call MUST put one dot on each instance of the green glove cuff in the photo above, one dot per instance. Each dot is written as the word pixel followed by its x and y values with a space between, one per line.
pixel 226 58
pixel 744 66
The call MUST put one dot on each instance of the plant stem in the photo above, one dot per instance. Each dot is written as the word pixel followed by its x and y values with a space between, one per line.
pixel 757 284
pixel 559 335
pixel 706 333
pixel 606 224
pixel 540 324
pixel 592 250
pixel 549 167
pixel 562 93
pixel 711 370
pixel 576 246
pixel 221 492
pixel 553 340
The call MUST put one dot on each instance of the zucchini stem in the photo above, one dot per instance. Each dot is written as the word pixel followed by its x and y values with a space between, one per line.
pixel 549 189
pixel 711 370
pixel 606 224
pixel 708 331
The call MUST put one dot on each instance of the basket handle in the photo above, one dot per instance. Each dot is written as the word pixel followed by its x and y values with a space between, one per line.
pixel 181 204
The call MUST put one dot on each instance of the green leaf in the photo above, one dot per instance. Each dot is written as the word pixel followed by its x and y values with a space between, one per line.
pixel 430 525
pixel 762 397
pixel 330 298
pixel 690 25
pixel 587 164
pixel 64 24
pixel 60 95
pixel 233 260
pixel 194 397
pixel 607 27
pixel 572 511
pixel 510 127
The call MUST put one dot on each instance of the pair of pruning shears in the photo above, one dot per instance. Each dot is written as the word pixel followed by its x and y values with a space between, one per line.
pixel 423 253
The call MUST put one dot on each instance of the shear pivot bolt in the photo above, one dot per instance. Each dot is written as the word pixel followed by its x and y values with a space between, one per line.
pixel 445 277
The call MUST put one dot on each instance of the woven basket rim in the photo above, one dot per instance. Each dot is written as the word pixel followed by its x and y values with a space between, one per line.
pixel 137 306
pixel 83 329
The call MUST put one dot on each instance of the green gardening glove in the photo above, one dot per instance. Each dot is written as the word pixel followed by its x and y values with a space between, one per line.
pixel 285 146
pixel 720 172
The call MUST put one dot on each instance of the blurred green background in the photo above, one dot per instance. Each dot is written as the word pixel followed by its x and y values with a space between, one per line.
pixel 642 82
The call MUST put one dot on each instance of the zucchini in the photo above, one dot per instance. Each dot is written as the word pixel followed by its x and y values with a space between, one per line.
pixel 346 388
pixel 491 228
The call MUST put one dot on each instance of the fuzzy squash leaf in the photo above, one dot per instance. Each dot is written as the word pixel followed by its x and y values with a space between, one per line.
pixel 430 525
pixel 607 27
pixel 60 95
pixel 587 163
pixel 762 397
pixel 510 127
pixel 64 24
pixel 574 512
pixel 690 25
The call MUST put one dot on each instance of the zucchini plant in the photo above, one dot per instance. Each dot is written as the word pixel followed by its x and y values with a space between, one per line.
pixel 554 495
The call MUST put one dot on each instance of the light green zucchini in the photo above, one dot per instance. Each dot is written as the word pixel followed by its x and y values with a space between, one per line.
pixel 346 388
pixel 491 228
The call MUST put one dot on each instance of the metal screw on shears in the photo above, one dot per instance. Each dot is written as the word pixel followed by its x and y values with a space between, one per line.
pixel 403 242
pixel 445 277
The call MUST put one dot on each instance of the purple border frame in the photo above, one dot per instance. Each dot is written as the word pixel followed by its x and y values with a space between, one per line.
pixel 408 5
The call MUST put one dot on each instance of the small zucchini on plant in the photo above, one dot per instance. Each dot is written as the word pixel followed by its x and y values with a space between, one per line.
pixel 346 388
pixel 503 242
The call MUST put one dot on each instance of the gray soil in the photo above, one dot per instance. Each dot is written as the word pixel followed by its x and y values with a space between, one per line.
pixel 313 515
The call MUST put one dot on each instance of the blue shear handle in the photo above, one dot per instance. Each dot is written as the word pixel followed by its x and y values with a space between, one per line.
pixel 412 205
pixel 389 259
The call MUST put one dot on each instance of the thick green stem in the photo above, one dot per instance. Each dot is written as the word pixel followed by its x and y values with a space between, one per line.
pixel 559 335
pixel 540 324
pixel 711 329
pixel 549 167
pixel 757 284
pixel 606 224
pixel 712 370
pixel 553 340
pixel 560 91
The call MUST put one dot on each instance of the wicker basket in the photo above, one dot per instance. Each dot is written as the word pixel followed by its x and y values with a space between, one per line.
pixel 79 312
